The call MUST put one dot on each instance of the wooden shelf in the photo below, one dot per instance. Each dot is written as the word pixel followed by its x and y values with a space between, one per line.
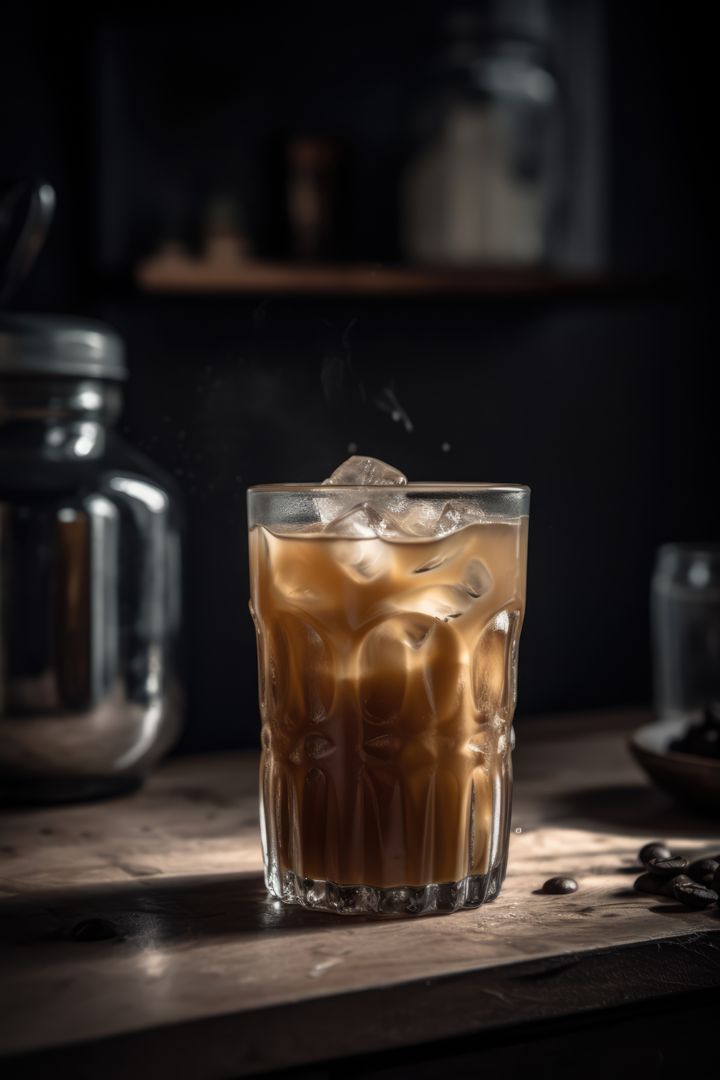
pixel 165 274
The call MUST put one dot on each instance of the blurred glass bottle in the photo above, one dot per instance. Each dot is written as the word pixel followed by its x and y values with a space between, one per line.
pixel 314 197
pixel 487 181
pixel 89 572
pixel 685 613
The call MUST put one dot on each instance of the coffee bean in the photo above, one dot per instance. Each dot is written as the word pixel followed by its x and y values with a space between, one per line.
pixel 668 884
pixel 648 883
pixel 704 871
pixel 560 885
pixel 656 850
pixel 659 886
pixel 694 895
pixel 667 867
pixel 94 930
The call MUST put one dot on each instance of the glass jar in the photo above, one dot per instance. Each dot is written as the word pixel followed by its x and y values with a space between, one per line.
pixel 685 609
pixel 486 182
pixel 90 586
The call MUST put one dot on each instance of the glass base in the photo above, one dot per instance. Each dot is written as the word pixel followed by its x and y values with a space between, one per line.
pixel 436 899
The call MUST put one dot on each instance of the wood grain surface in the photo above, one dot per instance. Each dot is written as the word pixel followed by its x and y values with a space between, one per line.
pixel 207 971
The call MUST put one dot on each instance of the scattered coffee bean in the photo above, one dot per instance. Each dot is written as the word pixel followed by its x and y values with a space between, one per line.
pixel 659 886
pixel 94 930
pixel 667 867
pixel 648 883
pixel 668 884
pixel 656 850
pixel 698 888
pixel 694 895
pixel 704 871
pixel 557 886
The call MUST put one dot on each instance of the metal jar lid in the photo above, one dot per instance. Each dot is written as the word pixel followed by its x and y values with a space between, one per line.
pixel 59 345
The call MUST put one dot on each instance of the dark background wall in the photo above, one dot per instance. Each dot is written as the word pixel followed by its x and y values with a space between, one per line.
pixel 603 404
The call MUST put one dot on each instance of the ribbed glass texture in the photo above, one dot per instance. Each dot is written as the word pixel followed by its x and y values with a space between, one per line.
pixel 387 649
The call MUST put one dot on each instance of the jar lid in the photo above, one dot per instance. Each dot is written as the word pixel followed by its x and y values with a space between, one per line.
pixel 59 345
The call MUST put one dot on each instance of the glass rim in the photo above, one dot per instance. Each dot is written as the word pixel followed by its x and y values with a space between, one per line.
pixel 422 487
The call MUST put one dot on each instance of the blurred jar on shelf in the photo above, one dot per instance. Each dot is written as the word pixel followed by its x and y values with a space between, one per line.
pixel 224 237
pixel 486 183
pixel 90 582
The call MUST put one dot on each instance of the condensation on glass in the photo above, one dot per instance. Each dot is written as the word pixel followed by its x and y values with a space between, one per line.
pixel 89 572
pixel 387 677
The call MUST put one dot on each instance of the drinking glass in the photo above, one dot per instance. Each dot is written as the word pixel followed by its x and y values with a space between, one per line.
pixel 685 611
pixel 388 622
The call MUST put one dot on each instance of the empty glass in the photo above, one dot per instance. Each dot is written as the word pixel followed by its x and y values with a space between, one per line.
pixel 685 605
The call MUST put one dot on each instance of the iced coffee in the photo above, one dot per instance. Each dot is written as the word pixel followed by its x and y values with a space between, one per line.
pixel 388 617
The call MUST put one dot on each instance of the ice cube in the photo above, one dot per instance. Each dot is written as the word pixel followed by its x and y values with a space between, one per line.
pixel 433 563
pixel 457 514
pixel 347 518
pixel 294 528
pixel 476 578
pixel 358 470
pixel 439 601
pixel 363 559
pixel 416 517
pixel 424 518
pixel 361 522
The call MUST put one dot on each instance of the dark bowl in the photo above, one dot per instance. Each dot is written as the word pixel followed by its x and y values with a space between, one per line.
pixel 692 779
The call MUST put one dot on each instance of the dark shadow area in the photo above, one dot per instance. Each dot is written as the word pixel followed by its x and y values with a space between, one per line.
pixel 629 808
pixel 170 911
pixel 629 1042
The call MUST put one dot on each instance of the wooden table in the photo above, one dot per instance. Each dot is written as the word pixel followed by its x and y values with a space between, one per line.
pixel 208 978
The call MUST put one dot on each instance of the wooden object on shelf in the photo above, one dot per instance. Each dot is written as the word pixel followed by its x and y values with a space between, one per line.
pixel 177 273
pixel 205 976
